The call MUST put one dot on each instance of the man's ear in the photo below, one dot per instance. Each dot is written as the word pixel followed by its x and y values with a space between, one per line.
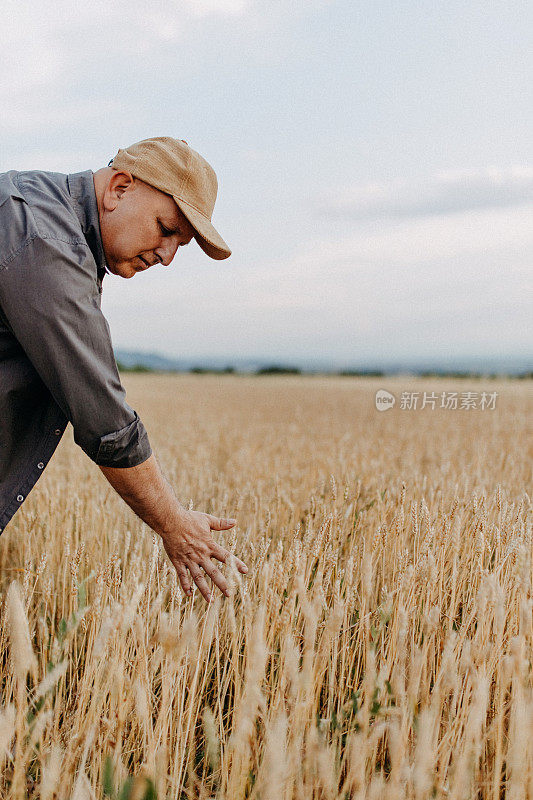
pixel 119 182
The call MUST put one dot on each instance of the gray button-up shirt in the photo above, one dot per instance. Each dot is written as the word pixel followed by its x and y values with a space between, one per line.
pixel 56 359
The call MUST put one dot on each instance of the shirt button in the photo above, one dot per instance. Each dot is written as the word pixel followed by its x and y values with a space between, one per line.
pixel 40 465
pixel 57 431
pixel 20 498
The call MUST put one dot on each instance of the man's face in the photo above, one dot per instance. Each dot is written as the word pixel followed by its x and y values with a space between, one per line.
pixel 140 225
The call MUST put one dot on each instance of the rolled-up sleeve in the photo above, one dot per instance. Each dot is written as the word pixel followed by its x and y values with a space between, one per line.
pixel 50 299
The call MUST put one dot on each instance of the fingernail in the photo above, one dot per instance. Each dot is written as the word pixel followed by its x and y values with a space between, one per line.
pixel 231 520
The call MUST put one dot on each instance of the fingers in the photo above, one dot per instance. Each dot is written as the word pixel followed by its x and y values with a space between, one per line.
pixel 196 572
pixel 241 566
pixel 217 577
pixel 220 523
pixel 201 582
pixel 184 577
pixel 223 555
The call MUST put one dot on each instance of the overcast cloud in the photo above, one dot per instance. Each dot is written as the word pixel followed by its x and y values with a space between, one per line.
pixel 442 193
pixel 374 165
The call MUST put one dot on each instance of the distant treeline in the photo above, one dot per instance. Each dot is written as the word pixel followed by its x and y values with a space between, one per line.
pixel 280 369
pixel 133 368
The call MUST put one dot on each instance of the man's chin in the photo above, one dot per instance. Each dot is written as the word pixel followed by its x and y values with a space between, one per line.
pixel 123 270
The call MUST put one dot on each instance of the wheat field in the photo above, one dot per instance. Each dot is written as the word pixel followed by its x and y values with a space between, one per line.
pixel 380 645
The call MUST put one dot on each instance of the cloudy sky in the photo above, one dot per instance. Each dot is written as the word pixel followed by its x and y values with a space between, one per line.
pixel 374 164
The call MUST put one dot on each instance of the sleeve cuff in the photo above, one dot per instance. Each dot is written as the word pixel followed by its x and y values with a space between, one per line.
pixel 126 447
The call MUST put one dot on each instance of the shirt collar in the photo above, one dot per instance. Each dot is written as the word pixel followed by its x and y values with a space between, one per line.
pixel 81 188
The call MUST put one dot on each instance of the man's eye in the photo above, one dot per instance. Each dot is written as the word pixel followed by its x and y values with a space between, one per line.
pixel 164 230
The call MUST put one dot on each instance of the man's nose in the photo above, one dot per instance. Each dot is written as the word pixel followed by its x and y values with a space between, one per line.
pixel 167 251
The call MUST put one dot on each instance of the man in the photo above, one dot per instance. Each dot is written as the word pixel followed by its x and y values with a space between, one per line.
pixel 59 235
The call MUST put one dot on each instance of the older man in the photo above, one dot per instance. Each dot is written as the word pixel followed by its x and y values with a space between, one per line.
pixel 59 235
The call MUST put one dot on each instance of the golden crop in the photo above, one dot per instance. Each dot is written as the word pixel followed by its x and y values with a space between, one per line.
pixel 379 647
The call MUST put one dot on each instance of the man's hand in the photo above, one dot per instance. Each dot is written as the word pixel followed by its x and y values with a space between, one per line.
pixel 190 547
pixel 186 534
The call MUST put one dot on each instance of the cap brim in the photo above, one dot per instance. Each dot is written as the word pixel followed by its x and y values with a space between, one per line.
pixel 207 236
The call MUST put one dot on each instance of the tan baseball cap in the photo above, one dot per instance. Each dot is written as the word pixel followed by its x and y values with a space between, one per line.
pixel 176 169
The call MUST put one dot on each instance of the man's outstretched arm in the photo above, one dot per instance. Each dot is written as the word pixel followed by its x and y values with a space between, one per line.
pixel 186 534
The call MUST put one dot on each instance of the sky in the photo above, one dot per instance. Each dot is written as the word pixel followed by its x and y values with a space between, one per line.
pixel 373 158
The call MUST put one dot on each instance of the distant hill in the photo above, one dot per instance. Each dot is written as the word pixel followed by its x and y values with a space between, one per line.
pixel 155 361
pixel 160 363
